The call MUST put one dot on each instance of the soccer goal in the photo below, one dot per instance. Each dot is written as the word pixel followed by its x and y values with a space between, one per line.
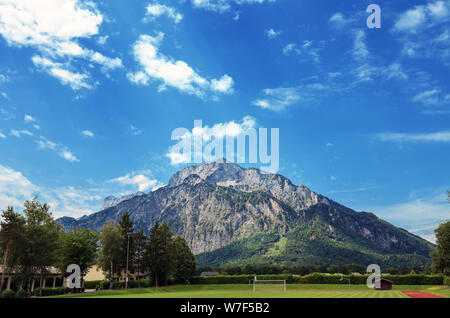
pixel 268 285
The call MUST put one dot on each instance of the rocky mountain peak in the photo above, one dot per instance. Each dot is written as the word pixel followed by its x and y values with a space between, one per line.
pixel 111 201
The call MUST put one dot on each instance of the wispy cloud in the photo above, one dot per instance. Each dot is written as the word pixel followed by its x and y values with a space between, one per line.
pixel 419 215
pixel 155 10
pixel 178 74
pixel 63 151
pixel 339 20
pixel 15 188
pixel 87 133
pixel 143 180
pixel 278 99
pixel 443 136
pixel 306 51
pixel 221 6
pixel 135 131
pixel 423 30
pixel 20 133
pixel 29 118
pixel 272 34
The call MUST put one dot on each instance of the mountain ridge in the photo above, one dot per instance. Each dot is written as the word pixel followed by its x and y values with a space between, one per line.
pixel 218 206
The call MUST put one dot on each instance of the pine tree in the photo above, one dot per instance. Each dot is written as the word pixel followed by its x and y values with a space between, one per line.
pixel 184 260
pixel 160 252
pixel 11 230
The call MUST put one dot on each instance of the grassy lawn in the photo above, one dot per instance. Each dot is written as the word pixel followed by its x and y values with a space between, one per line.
pixel 242 291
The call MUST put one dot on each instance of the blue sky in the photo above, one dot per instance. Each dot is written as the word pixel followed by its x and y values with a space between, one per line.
pixel 90 93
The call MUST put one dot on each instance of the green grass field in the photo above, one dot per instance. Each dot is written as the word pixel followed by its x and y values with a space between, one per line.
pixel 242 291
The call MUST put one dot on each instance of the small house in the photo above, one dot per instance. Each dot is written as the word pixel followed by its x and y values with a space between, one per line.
pixel 385 284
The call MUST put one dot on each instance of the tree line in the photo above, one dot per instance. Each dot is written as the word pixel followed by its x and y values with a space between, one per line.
pixel 160 254
pixel 31 242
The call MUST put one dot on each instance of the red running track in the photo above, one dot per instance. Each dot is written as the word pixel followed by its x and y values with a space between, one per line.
pixel 419 294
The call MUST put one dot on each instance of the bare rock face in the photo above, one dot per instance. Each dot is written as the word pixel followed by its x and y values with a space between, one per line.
pixel 218 204
pixel 111 201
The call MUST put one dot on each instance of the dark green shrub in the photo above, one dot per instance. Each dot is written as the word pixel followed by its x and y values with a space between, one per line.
pixel 103 284
pixel 48 291
pixel 92 284
pixel 9 293
pixel 21 293
pixel 118 285
pixel 447 280
pixel 36 291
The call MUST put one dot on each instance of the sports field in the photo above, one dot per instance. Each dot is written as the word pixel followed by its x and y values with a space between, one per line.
pixel 292 291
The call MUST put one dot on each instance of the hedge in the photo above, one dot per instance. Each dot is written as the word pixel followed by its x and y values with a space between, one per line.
pixel 9 293
pixel 48 291
pixel 317 278
pixel 447 280
pixel 104 284
pixel 92 284
pixel 239 279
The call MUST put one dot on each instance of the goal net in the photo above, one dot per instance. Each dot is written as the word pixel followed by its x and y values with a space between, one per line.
pixel 269 285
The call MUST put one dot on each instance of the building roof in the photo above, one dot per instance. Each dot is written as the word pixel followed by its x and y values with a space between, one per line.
pixel 51 269
pixel 209 274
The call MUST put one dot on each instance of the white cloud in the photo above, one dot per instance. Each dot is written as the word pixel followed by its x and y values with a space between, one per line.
pixel 53 28
pixel 291 47
pixel 419 216
pixel 177 74
pixel 223 85
pixel 19 133
pixel 395 71
pixel 423 30
pixel 75 80
pixel 219 130
pixel 277 99
pixel 442 136
pixel 223 5
pixel 272 34
pixel 4 95
pixel 63 151
pixel 338 20
pixel 4 78
pixel 306 50
pixel 155 10
pixel 422 16
pixel 15 188
pixel 411 20
pixel 143 180
pixel 102 39
pixel 360 51
pixel 2 136
pixel 67 155
pixel 87 133
pixel 135 131
pixel 29 118
pixel 429 97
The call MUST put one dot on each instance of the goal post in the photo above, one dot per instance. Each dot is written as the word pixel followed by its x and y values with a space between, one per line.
pixel 268 285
